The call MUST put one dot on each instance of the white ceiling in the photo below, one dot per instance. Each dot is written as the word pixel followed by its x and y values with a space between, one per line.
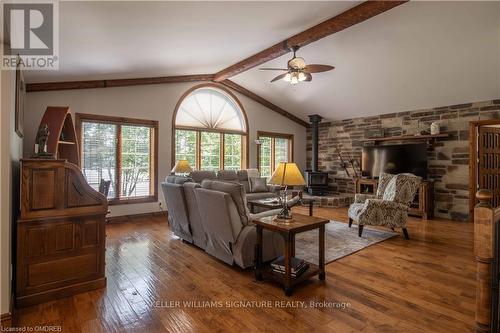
pixel 417 55
pixel 122 39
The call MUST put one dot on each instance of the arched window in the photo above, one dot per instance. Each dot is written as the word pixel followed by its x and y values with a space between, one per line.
pixel 210 129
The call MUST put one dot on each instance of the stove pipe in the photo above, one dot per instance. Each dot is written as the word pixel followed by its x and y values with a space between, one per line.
pixel 315 119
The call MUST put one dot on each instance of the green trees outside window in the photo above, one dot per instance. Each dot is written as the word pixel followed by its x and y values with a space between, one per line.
pixel 215 151
pixel 274 148
pixel 265 157
pixel 121 150
pixel 99 154
pixel 210 151
pixel 281 150
pixel 232 152
pixel 135 161
pixel 185 146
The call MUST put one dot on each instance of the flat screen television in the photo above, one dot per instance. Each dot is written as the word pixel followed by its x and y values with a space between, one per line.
pixel 411 158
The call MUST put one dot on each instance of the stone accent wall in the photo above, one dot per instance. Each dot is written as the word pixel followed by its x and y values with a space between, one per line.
pixel 448 158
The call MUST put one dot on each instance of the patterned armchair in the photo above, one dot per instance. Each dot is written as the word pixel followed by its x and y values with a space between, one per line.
pixel 389 206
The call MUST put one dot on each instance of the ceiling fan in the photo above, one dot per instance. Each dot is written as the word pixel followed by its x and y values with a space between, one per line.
pixel 298 70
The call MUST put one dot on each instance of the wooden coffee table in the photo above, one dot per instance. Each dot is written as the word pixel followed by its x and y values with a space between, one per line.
pixel 288 231
pixel 265 203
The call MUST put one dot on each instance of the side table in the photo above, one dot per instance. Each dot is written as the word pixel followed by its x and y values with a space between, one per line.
pixel 288 231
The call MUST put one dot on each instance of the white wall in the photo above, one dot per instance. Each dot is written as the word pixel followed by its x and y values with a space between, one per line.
pixel 4 193
pixel 155 102
pixel 11 151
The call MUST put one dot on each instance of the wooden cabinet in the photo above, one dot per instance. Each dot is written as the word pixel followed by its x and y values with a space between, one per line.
pixel 423 204
pixel 60 235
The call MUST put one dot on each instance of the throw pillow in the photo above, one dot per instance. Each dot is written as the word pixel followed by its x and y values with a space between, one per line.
pixel 402 188
pixel 391 189
pixel 383 181
pixel 258 184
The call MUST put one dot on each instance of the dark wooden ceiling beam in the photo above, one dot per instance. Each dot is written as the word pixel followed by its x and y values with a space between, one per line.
pixel 353 16
pixel 51 86
pixel 263 101
pixel 54 86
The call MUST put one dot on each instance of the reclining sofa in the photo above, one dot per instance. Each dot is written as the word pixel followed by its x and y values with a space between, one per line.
pixel 212 213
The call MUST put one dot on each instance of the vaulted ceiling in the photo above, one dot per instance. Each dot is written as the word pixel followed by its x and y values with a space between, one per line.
pixel 417 55
pixel 122 39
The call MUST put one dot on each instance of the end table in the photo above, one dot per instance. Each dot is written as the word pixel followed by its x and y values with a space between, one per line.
pixel 288 231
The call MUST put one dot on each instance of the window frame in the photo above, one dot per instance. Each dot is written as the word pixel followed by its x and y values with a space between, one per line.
pixel 274 136
pixel 198 130
pixel 119 121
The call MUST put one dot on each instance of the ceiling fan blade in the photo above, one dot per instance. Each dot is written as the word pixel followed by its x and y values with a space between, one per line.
pixel 273 69
pixel 309 77
pixel 279 77
pixel 316 68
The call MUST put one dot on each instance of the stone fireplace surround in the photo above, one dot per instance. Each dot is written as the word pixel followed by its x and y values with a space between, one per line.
pixel 448 158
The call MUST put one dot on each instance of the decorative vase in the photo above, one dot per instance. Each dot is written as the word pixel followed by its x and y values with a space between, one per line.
pixel 435 128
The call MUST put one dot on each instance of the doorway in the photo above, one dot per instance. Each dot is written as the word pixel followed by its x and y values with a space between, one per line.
pixel 484 160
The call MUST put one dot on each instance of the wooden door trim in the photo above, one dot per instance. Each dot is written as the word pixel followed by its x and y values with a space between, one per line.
pixel 473 154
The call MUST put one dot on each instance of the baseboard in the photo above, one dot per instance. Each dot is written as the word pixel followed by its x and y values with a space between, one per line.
pixel 6 320
pixel 53 294
pixel 128 218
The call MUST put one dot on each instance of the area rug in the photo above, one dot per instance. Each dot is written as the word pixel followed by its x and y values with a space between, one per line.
pixel 340 241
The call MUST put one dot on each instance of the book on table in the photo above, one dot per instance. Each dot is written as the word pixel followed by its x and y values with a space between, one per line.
pixel 298 266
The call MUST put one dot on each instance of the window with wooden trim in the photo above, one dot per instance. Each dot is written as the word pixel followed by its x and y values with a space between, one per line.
pixel 273 148
pixel 123 151
pixel 210 130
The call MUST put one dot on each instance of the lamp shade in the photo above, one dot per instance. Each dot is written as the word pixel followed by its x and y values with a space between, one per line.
pixel 287 174
pixel 182 166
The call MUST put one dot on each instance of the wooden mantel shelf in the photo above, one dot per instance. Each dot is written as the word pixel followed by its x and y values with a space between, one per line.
pixel 407 137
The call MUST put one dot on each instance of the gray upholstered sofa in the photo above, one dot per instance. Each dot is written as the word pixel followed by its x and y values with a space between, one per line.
pixel 214 216
pixel 231 234
pixel 240 176
pixel 183 215
pixel 199 175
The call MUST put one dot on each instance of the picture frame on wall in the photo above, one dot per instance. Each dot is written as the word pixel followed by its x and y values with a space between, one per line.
pixel 20 101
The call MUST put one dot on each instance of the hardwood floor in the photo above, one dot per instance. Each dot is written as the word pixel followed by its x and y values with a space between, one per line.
pixel 425 284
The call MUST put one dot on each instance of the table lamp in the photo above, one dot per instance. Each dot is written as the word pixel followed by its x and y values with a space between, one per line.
pixel 182 167
pixel 287 174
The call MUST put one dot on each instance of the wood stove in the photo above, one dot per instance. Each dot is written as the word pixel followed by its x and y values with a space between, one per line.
pixel 317 181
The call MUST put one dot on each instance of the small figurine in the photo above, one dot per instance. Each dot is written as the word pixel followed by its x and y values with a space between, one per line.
pixel 42 137
pixel 435 128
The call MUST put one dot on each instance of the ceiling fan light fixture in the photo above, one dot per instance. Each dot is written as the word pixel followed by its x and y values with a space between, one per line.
pixel 297 70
